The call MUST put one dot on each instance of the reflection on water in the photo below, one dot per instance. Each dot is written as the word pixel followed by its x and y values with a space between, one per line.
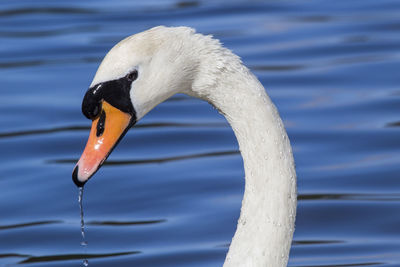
pixel 170 193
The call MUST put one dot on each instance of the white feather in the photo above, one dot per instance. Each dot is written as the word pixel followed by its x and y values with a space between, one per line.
pixel 178 60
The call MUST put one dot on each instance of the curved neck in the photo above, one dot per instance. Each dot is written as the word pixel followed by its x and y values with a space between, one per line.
pixel 266 224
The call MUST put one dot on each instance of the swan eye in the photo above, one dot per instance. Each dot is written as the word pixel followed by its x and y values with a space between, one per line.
pixel 132 75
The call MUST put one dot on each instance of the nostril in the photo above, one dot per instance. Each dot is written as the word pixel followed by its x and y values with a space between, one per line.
pixel 101 124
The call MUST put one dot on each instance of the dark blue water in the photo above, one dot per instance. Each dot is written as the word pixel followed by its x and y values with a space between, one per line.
pixel 170 193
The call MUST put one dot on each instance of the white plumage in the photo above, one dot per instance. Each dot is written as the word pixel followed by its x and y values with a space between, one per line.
pixel 178 60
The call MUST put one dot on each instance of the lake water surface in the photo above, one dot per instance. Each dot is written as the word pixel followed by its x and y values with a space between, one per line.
pixel 170 193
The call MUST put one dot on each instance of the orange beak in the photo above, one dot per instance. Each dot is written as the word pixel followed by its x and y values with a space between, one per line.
pixel 107 130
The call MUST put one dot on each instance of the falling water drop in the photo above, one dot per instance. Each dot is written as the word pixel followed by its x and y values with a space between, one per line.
pixel 83 242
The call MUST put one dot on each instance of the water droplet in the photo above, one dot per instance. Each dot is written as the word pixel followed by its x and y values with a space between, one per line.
pixel 80 199
pixel 242 221
pixel 83 242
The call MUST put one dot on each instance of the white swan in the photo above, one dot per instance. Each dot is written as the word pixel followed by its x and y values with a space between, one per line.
pixel 145 69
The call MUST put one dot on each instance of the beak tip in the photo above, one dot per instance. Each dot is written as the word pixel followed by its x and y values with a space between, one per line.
pixel 75 178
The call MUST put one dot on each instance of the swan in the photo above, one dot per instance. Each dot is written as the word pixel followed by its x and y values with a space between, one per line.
pixel 145 69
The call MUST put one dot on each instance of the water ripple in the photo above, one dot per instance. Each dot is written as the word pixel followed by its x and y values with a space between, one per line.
pixel 343 265
pixel 393 124
pixel 86 128
pixel 41 62
pixel 277 67
pixel 155 160
pixel 44 131
pixel 361 197
pixel 316 242
pixel 64 257
pixel 46 33
pixel 22 225
pixel 45 10
pixel 13 255
pixel 125 223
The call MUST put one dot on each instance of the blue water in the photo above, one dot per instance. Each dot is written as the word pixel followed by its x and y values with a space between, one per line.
pixel 170 193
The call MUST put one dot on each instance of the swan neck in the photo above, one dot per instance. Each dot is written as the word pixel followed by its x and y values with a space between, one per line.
pixel 266 224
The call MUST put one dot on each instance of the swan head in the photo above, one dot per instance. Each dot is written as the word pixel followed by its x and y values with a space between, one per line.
pixel 137 74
